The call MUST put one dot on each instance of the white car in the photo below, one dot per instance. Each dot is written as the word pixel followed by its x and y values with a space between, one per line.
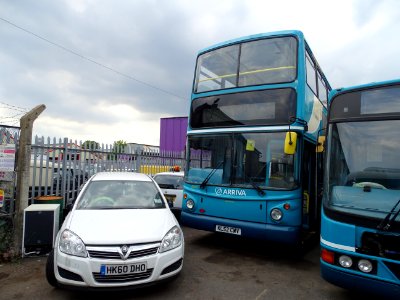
pixel 171 184
pixel 119 233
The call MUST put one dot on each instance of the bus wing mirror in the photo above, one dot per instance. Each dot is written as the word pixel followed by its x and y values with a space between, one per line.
pixel 321 144
pixel 290 143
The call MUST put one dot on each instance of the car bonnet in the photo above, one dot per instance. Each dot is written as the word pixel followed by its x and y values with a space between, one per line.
pixel 121 226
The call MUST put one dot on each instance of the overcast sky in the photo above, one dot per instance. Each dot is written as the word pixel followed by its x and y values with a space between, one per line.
pixel 109 70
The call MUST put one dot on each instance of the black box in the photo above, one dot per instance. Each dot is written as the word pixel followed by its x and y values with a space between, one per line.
pixel 41 223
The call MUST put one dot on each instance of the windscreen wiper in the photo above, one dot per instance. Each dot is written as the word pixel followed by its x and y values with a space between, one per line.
pixel 257 188
pixel 388 220
pixel 255 185
pixel 204 183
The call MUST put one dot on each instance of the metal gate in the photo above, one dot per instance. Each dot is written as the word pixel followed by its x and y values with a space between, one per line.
pixel 61 166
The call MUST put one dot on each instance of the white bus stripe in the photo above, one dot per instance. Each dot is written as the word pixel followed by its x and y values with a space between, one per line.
pixel 337 246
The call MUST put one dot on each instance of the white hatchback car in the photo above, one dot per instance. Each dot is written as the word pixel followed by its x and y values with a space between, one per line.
pixel 171 183
pixel 119 233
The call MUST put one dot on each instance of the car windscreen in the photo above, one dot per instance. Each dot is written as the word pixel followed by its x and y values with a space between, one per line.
pixel 108 194
pixel 169 181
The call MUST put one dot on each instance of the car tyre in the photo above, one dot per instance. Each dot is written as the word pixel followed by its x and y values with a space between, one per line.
pixel 50 276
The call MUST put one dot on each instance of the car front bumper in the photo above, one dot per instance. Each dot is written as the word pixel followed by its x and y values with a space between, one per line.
pixel 86 271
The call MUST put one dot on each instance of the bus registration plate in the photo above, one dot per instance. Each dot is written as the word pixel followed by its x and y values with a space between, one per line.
pixel 123 269
pixel 228 229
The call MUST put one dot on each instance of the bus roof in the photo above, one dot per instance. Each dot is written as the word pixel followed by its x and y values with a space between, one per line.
pixel 337 91
pixel 253 37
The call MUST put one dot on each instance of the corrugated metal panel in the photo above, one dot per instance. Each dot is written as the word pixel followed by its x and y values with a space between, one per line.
pixel 173 133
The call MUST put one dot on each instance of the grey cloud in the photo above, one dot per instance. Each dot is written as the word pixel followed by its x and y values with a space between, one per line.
pixel 152 41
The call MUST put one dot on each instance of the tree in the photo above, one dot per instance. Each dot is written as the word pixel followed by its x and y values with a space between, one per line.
pixel 119 146
pixel 91 145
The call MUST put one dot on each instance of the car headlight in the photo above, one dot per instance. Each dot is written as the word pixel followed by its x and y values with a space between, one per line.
pixel 71 244
pixel 171 240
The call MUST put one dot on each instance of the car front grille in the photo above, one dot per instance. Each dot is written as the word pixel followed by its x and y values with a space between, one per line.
pixel 122 278
pixel 115 252
pixel 104 254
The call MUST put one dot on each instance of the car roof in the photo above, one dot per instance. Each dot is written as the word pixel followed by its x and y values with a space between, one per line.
pixel 120 176
pixel 170 173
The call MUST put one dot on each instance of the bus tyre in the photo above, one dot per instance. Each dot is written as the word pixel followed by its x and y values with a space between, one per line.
pixel 50 276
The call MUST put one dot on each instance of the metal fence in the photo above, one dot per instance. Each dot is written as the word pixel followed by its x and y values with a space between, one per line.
pixel 60 167
pixel 8 151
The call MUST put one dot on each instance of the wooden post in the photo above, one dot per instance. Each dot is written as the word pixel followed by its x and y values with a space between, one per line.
pixel 23 165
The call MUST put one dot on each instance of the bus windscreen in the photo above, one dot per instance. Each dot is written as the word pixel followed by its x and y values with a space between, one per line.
pixel 376 103
pixel 268 107
pixel 380 101
pixel 264 61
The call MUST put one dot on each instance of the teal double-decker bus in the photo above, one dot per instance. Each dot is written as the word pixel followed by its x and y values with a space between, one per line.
pixel 257 106
pixel 360 223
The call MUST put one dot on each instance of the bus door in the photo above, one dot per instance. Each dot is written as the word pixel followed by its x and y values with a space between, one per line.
pixel 308 175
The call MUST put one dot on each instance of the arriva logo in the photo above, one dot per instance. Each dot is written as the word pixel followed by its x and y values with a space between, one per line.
pixel 229 192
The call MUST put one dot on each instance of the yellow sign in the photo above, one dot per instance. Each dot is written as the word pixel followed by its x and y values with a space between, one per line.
pixel 251 144
pixel 306 202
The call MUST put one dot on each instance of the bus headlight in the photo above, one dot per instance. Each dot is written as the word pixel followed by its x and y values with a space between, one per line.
pixel 190 204
pixel 276 214
pixel 345 261
pixel 365 265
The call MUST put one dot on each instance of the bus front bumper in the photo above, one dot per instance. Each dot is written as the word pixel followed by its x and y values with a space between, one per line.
pixel 270 232
pixel 359 283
